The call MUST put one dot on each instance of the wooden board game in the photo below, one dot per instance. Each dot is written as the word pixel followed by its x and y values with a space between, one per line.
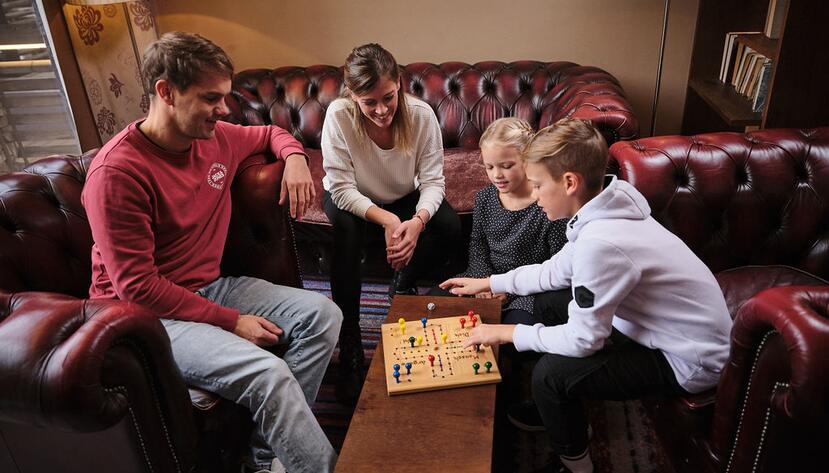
pixel 428 355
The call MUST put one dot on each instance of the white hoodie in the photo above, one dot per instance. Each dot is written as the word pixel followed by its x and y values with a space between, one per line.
pixel 628 272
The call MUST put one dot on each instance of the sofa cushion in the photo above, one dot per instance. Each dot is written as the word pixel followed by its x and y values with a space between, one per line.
pixel 741 284
pixel 462 168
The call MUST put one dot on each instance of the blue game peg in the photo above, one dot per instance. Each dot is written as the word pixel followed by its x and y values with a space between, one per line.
pixel 396 367
pixel 423 321
pixel 396 375
pixel 408 368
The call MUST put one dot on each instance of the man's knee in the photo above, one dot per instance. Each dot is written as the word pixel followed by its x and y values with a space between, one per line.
pixel 327 317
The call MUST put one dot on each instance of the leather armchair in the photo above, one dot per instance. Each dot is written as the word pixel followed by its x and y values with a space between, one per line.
pixel 753 207
pixel 90 385
pixel 466 98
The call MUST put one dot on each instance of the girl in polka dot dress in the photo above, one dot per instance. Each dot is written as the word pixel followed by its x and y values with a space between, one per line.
pixel 509 230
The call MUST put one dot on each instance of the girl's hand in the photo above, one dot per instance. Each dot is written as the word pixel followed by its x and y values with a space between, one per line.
pixel 405 237
pixel 466 286
pixel 489 335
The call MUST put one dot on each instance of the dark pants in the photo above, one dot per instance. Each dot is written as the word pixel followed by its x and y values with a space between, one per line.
pixel 622 370
pixel 436 243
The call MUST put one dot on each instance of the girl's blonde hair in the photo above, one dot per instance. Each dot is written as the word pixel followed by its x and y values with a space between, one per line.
pixel 363 69
pixel 509 131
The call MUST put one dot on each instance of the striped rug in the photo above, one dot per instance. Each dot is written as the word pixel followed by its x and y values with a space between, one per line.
pixel 623 436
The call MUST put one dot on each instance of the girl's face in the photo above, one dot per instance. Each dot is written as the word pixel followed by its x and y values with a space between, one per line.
pixel 380 103
pixel 504 167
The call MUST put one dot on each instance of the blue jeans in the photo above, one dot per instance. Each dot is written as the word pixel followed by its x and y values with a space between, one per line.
pixel 278 391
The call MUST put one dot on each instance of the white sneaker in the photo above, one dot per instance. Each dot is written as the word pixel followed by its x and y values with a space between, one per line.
pixel 276 467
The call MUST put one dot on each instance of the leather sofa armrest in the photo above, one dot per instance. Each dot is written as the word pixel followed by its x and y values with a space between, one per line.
pixel 83 365
pixel 777 375
pixel 595 95
pixel 260 240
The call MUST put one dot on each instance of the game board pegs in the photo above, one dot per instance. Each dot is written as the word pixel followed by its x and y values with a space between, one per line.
pixel 411 341
pixel 408 366
pixel 463 322
pixel 444 336
pixel 488 366
pixel 476 367
pixel 423 321
pixel 419 340
pixel 432 360
pixel 396 375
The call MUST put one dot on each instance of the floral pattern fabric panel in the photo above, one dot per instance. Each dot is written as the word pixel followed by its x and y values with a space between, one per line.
pixel 108 41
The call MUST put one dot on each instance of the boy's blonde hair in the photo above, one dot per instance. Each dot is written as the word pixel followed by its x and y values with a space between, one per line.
pixel 570 145
pixel 509 131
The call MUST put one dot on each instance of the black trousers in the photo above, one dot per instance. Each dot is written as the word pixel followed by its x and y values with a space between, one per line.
pixel 622 370
pixel 436 243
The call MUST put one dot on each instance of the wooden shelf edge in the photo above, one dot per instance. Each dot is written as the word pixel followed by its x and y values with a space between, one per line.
pixel 734 109
pixel 760 43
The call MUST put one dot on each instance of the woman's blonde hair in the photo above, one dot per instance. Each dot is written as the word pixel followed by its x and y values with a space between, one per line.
pixel 570 145
pixel 363 69
pixel 509 131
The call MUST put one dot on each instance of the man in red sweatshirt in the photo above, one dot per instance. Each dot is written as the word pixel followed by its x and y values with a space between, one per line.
pixel 157 197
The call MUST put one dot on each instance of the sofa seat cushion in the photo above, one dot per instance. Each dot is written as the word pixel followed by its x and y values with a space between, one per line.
pixel 741 284
pixel 462 168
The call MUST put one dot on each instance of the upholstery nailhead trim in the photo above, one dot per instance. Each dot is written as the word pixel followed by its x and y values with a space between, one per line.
pixel 123 390
pixel 745 402
pixel 760 445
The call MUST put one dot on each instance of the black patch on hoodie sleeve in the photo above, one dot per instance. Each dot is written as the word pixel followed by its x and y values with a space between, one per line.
pixel 584 297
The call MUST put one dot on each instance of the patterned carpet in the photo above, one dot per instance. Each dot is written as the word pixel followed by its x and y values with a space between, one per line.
pixel 623 437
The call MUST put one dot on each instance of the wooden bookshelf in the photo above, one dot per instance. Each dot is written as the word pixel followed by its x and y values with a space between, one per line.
pixel 799 88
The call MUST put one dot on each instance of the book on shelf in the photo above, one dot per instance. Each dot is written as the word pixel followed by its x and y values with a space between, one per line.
pixel 742 67
pixel 731 49
pixel 762 91
pixel 775 17
pixel 755 77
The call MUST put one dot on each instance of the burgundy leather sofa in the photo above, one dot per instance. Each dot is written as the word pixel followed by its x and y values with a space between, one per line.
pixel 755 208
pixel 91 386
pixel 465 97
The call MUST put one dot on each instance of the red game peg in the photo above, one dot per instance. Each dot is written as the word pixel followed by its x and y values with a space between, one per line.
pixel 432 360
pixel 471 314
pixel 473 319
pixel 463 322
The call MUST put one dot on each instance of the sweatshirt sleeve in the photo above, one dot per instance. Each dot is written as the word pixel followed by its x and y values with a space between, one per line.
pixel 118 211
pixel 555 273
pixel 249 140
pixel 602 277
pixel 429 165
pixel 339 168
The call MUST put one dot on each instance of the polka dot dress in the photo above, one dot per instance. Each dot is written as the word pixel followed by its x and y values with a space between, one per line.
pixel 503 240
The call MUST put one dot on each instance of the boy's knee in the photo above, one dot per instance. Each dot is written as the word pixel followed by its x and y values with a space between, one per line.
pixel 549 377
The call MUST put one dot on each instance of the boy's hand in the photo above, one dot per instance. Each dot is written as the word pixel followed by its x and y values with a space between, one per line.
pixel 258 330
pixel 489 295
pixel 489 335
pixel 297 185
pixel 466 286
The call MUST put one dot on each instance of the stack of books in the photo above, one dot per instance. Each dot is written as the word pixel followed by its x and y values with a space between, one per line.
pixel 745 69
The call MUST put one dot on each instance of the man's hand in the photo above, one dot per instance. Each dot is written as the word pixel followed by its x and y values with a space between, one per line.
pixel 466 286
pixel 257 330
pixel 405 240
pixel 488 335
pixel 297 185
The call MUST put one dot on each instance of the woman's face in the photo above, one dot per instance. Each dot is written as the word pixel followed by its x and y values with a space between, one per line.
pixel 380 103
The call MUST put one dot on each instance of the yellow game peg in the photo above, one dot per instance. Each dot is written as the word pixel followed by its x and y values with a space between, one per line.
pixel 419 339
pixel 402 323
pixel 444 336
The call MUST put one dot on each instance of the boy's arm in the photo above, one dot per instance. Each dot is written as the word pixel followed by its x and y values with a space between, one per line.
pixel 555 273
pixel 119 217
pixel 603 277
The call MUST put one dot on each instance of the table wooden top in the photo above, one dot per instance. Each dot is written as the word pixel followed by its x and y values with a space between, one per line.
pixel 446 430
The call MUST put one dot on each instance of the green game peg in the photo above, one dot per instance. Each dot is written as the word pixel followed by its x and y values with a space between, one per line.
pixel 476 367
pixel 411 341
pixel 488 366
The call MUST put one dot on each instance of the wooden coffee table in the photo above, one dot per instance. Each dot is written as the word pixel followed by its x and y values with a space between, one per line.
pixel 447 430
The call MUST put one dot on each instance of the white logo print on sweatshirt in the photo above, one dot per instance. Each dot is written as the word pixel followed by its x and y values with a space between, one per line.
pixel 216 175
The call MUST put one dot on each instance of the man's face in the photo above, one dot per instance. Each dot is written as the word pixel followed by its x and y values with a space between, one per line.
pixel 196 109
pixel 550 194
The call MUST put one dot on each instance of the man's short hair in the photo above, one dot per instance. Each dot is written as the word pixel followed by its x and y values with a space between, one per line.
pixel 181 59
pixel 570 145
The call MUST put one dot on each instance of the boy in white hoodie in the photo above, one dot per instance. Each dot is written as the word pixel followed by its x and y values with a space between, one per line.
pixel 641 314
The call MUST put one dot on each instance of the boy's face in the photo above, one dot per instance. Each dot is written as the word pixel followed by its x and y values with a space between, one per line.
pixel 556 198
pixel 196 109
pixel 504 167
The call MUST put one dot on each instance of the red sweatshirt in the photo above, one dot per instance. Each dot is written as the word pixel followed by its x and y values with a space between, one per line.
pixel 159 219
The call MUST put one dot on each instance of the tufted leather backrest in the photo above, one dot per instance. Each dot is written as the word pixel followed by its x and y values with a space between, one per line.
pixel 46 243
pixel 465 97
pixel 738 199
